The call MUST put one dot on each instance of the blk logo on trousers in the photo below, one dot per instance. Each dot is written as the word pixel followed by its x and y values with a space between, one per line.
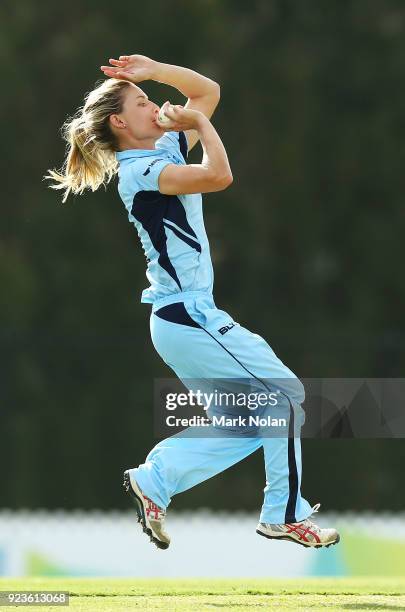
pixel 226 328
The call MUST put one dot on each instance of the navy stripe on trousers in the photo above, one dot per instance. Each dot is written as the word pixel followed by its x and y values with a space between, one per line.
pixel 292 472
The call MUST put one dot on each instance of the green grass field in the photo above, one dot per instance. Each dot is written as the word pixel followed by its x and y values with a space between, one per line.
pixel 238 595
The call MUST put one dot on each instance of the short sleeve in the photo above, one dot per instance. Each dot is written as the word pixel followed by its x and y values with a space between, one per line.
pixel 144 172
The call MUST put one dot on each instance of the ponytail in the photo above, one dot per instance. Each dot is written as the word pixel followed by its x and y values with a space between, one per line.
pixel 91 145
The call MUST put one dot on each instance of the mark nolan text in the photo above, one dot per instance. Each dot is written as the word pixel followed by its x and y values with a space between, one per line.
pixel 223 421
pixel 248 421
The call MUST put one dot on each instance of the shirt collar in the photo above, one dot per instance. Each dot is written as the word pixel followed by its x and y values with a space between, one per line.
pixel 120 155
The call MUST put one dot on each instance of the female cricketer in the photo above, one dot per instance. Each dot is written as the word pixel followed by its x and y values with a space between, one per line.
pixel 117 131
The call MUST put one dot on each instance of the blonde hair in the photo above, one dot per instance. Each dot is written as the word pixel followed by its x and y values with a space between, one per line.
pixel 90 158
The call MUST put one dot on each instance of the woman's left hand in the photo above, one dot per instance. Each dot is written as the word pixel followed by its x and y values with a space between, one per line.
pixel 134 68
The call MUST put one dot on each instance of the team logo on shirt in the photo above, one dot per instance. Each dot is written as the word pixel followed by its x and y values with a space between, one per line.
pixel 151 164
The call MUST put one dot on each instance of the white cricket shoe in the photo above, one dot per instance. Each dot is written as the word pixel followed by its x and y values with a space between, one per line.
pixel 150 515
pixel 305 532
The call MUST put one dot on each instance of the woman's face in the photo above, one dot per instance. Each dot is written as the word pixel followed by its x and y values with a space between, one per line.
pixel 139 114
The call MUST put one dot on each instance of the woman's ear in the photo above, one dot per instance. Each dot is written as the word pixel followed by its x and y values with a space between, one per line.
pixel 117 122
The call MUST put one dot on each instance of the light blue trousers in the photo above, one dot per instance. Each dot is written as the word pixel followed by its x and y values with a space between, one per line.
pixel 188 332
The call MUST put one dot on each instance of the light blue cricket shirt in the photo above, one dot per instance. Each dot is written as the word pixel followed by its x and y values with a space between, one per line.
pixel 170 227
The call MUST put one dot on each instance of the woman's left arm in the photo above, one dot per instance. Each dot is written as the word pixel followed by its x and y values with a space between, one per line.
pixel 190 83
pixel 203 94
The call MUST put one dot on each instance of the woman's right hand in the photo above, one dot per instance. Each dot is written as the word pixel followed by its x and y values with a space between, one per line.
pixel 181 119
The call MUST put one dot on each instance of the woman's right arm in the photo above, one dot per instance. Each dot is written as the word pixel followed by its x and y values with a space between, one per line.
pixel 212 174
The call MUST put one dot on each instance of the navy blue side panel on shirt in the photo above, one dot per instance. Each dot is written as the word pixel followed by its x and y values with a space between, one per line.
pixel 176 213
pixel 193 243
pixel 155 211
pixel 149 208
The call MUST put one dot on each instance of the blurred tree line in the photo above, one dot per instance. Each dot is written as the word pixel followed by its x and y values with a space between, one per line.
pixel 307 243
